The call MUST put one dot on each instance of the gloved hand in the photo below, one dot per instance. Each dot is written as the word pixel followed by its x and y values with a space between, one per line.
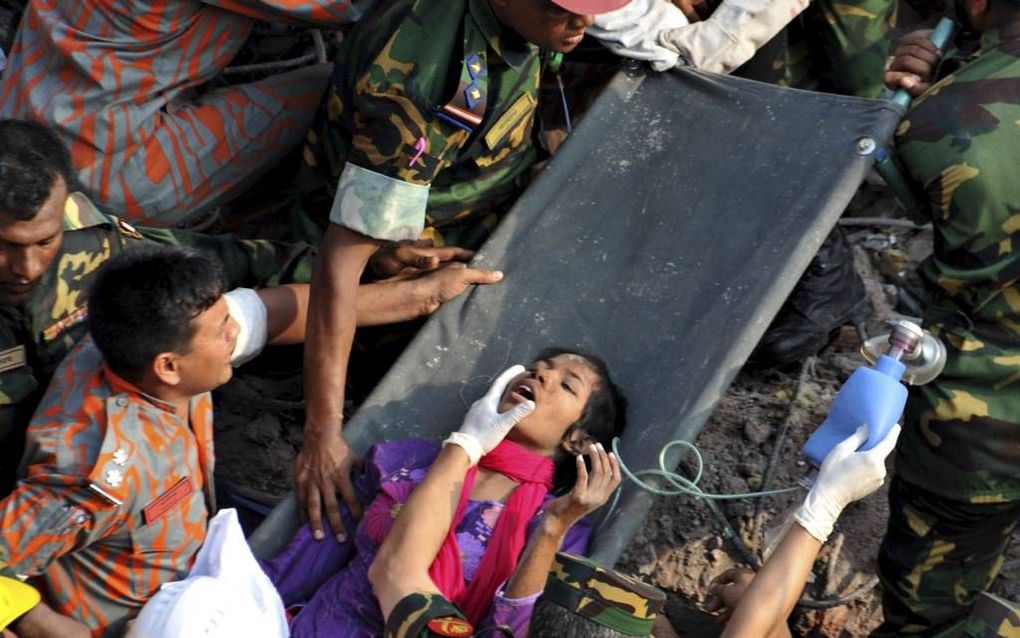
pixel 484 426
pixel 846 475
pixel 632 31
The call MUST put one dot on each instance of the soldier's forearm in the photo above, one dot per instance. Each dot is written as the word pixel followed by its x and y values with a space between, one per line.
pixel 331 323
pixel 774 592
pixel 401 566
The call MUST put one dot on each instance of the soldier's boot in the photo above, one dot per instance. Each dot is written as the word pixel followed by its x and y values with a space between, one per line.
pixel 829 295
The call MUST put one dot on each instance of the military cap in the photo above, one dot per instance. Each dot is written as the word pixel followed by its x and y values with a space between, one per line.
pixel 590 7
pixel 603 596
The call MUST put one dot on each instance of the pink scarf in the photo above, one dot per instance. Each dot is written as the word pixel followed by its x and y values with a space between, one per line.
pixel 534 473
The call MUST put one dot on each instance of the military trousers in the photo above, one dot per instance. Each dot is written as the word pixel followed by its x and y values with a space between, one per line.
pixel 937 556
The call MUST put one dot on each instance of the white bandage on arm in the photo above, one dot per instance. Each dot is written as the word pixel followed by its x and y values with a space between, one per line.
pixel 249 311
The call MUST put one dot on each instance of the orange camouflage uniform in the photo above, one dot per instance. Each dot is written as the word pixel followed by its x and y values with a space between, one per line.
pixel 115 495
pixel 117 80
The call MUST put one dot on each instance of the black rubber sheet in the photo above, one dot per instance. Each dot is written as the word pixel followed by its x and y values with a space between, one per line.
pixel 664 236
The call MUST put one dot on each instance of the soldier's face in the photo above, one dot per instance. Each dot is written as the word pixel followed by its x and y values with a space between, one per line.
pixel 28 248
pixel 206 366
pixel 543 22
pixel 560 388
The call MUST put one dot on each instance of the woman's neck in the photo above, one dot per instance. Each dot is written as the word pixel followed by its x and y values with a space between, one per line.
pixel 491 486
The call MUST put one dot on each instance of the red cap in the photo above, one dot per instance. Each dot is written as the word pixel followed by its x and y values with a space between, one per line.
pixel 590 7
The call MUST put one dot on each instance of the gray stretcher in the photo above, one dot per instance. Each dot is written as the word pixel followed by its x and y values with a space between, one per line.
pixel 664 236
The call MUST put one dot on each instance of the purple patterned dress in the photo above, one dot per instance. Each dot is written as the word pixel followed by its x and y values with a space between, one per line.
pixel 331 579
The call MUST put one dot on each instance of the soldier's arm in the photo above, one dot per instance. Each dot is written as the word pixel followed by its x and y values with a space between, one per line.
pixel 323 13
pixel 401 567
pixel 324 464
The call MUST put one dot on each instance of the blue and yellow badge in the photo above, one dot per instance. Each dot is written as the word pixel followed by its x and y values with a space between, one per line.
pixel 467 108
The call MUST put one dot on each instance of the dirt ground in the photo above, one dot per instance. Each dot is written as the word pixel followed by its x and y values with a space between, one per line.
pixel 682 546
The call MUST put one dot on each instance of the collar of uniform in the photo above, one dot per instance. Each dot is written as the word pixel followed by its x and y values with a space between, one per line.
pixel 120 385
pixel 80 212
pixel 508 45
pixel 999 35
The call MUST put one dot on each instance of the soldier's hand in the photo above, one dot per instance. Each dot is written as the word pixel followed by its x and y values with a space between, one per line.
pixel 410 257
pixel 726 590
pixel 913 63
pixel 435 288
pixel 322 469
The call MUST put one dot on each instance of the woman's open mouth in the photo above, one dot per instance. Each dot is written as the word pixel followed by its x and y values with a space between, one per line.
pixel 522 392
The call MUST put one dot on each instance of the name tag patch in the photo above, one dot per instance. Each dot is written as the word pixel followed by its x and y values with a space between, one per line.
pixel 12 358
pixel 517 111
pixel 169 499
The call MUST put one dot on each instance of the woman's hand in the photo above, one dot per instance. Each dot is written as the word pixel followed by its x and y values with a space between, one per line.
pixel 590 492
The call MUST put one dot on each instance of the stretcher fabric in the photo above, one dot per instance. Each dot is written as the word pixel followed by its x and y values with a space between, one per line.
pixel 664 236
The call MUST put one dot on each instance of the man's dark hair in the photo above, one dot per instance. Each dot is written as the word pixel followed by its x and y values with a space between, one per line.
pixel 32 156
pixel 550 619
pixel 143 301
pixel 604 416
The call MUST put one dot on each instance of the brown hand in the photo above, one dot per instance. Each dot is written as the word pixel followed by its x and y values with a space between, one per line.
pixel 323 468
pixel 414 256
pixel 726 590
pixel 913 63
pixel 450 281
pixel 590 491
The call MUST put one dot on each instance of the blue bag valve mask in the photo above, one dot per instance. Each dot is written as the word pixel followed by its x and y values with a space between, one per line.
pixel 875 396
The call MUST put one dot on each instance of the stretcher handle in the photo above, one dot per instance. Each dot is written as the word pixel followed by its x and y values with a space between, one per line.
pixel 940 38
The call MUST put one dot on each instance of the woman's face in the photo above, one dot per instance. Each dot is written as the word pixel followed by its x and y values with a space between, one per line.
pixel 560 388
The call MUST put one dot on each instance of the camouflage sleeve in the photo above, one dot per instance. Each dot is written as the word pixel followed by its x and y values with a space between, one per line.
pixel 394 145
pixel 325 13
pixel 248 263
pixel 425 616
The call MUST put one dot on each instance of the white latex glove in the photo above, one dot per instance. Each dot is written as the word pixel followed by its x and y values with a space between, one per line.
pixel 484 426
pixel 732 34
pixel 846 476
pixel 632 31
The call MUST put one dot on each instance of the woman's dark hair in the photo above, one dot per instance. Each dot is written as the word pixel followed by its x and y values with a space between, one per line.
pixel 32 157
pixel 143 301
pixel 604 416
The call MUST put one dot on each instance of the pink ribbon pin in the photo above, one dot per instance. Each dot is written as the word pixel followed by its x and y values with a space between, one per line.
pixel 419 148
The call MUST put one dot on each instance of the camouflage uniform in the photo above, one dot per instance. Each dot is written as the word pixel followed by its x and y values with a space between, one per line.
pixel 395 150
pixel 957 496
pixel 36 337
pixel 427 616
pixel 992 617
pixel 602 596
pixel 839 47
pixel 599 595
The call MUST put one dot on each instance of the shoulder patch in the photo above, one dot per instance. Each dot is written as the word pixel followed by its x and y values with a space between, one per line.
pixel 450 626
pixel 12 358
